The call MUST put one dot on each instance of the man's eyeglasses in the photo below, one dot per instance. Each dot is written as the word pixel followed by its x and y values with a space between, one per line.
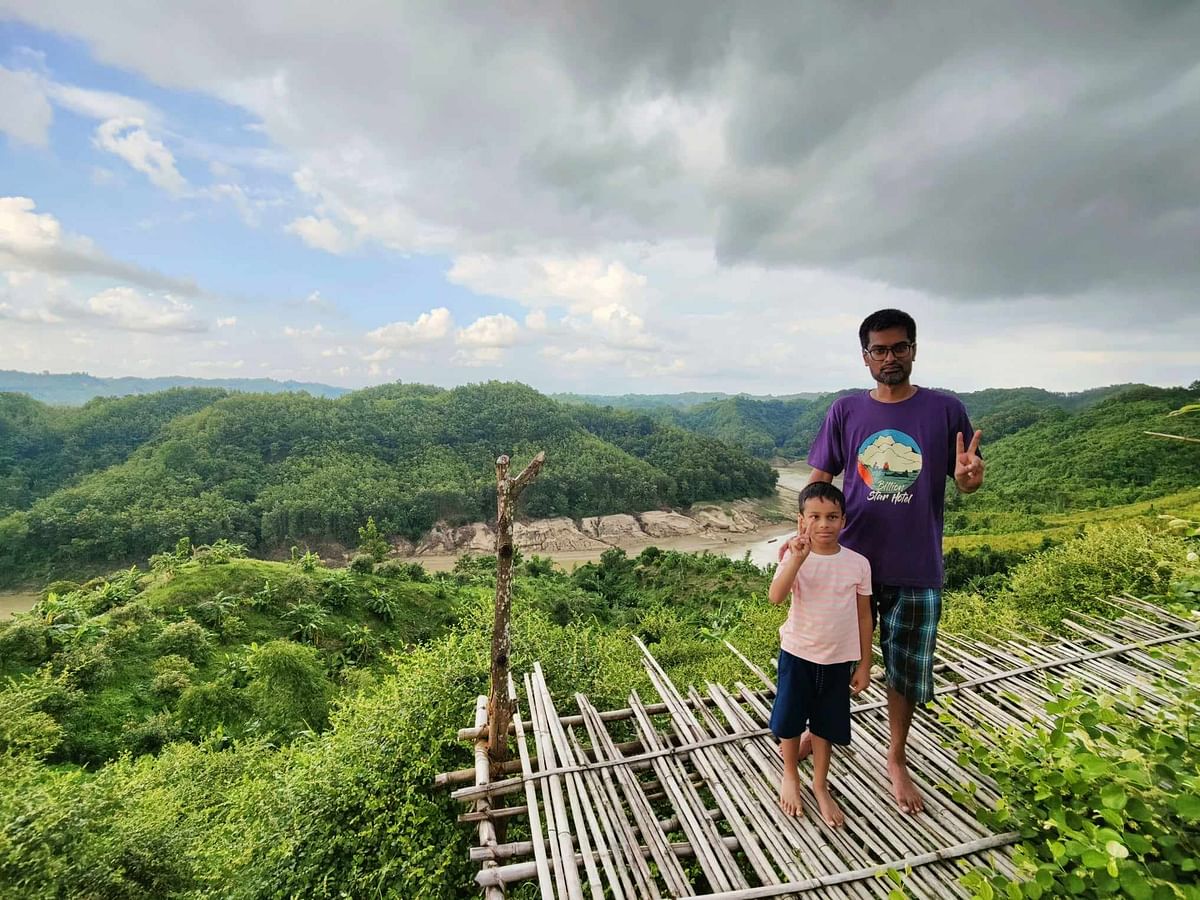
pixel 902 350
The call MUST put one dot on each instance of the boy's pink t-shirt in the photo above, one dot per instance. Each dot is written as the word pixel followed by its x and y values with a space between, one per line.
pixel 822 622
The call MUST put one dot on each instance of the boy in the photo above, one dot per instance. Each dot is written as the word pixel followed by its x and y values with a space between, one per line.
pixel 827 632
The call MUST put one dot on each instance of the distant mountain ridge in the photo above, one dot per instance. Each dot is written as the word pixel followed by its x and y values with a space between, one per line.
pixel 77 388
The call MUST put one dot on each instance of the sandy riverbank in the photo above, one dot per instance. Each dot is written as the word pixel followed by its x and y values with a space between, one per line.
pixel 759 542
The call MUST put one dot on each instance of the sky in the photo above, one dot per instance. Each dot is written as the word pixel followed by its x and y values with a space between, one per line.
pixel 600 197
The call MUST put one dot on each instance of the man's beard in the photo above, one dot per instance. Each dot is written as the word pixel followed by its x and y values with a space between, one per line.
pixel 894 377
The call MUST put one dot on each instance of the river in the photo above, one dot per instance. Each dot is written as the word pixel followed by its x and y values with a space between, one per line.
pixel 17 602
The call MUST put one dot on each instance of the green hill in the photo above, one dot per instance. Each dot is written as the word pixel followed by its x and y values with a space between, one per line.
pixel 768 427
pixel 1098 456
pixel 270 470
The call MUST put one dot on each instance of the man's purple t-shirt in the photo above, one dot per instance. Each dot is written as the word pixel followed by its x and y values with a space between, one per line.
pixel 896 457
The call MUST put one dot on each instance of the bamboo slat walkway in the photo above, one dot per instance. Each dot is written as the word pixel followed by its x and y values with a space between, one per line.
pixel 689 808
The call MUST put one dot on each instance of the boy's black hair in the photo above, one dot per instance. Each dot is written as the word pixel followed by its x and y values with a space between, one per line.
pixel 882 320
pixel 823 490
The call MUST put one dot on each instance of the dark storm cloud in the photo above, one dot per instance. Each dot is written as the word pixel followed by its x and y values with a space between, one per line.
pixel 973 150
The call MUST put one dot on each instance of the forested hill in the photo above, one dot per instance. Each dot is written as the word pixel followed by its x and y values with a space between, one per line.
pixel 120 479
pixel 768 427
pixel 74 388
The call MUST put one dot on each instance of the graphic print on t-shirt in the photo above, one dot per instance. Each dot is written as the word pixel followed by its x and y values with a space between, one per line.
pixel 889 461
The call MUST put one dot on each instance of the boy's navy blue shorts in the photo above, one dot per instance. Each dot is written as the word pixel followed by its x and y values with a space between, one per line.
pixel 812 695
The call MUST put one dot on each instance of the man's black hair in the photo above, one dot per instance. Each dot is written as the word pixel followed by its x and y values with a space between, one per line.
pixel 884 319
pixel 823 490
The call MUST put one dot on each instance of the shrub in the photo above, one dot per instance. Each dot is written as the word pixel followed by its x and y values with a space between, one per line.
pixel 32 708
pixel 172 675
pixel 218 552
pixel 363 563
pixel 1105 560
pixel 408 571
pixel 85 666
pixel 217 610
pixel 538 566
pixel 337 589
pixel 187 638
pixel 151 734
pixel 1105 800
pixel 31 733
pixel 383 603
pixel 217 704
pixel 361 643
pixel 305 622
pixel 25 640
pixel 288 688
pixel 134 612
pixel 371 542
pixel 308 561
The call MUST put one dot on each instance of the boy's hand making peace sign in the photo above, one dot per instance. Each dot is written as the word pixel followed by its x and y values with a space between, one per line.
pixel 800 543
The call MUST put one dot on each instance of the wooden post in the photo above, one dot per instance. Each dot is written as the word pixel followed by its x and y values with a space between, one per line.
pixel 500 708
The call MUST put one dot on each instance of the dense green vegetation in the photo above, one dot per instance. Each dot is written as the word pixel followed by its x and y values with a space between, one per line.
pixel 79 387
pixel 44 447
pixel 1107 799
pixel 118 479
pixel 212 725
pixel 1097 457
pixel 226 727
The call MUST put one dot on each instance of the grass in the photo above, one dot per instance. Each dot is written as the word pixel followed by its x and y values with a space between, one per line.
pixel 1060 526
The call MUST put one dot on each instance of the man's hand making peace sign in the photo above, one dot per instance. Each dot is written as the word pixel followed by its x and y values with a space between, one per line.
pixel 968 466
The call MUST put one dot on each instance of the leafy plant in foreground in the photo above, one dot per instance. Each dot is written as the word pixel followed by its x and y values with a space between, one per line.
pixel 1107 801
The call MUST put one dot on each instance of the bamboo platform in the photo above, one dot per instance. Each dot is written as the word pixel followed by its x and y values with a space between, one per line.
pixel 689 806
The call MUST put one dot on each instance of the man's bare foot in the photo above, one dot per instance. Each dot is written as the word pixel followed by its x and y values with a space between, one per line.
pixel 908 798
pixel 830 811
pixel 805 746
pixel 789 794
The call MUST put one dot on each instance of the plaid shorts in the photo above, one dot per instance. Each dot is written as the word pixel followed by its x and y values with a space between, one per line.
pixel 908 619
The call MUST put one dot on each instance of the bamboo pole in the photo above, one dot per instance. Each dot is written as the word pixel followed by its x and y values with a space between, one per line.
pixel 923 859
pixel 612 715
pixel 508 489
pixel 581 814
pixel 526 870
pixel 638 802
pixel 487 829
pixel 558 826
pixel 535 821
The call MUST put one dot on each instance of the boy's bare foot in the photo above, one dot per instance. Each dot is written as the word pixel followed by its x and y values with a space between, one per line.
pixel 805 746
pixel 830 811
pixel 789 794
pixel 908 798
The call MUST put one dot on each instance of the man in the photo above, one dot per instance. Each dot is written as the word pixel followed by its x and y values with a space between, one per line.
pixel 897 444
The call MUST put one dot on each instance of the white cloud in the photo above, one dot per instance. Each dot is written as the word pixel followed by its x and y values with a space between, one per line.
pixel 536 320
pixel 130 310
pixel 35 241
pixel 247 209
pixel 331 352
pixel 227 321
pixel 99 104
pixel 619 327
pixel 579 283
pixel 489 331
pixel 28 314
pixel 316 303
pixel 129 139
pixel 25 114
pixel 314 331
pixel 428 328
pixel 320 234
pixel 484 341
